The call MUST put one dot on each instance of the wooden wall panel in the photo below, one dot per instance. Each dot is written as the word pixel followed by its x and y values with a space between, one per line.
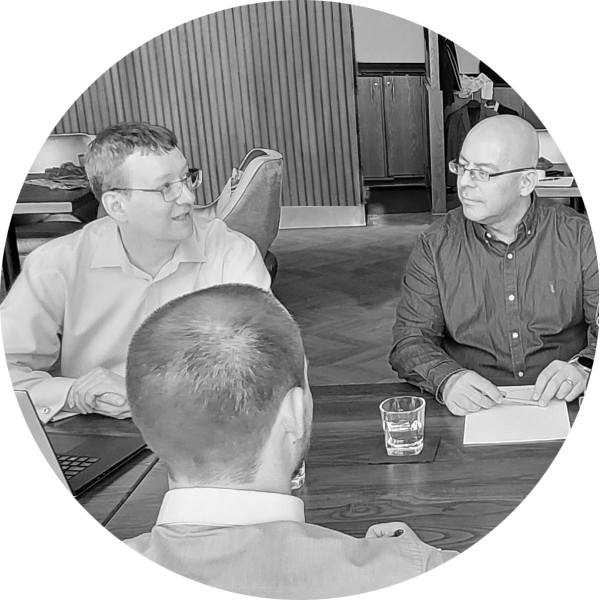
pixel 278 75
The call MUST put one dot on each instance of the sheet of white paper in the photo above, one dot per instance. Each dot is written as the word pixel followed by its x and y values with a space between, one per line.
pixel 556 182
pixel 514 423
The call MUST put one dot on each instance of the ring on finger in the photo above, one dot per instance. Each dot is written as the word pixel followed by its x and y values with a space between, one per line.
pixel 571 384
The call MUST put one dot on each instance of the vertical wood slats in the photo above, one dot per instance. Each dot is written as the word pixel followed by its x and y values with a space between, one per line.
pixel 276 75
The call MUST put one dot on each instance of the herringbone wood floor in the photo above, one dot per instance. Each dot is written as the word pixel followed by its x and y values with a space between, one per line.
pixel 341 285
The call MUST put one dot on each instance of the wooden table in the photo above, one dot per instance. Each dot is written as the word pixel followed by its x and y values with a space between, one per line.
pixel 517 510
pixel 451 503
pixel 571 193
pixel 34 530
pixel 34 200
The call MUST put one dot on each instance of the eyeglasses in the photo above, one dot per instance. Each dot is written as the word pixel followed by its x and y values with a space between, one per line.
pixel 172 190
pixel 479 174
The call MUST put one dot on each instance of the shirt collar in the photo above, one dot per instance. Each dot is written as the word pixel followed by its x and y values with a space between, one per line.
pixel 227 507
pixel 524 228
pixel 110 251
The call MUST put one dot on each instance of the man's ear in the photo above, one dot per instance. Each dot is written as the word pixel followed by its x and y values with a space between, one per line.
pixel 114 205
pixel 529 182
pixel 292 413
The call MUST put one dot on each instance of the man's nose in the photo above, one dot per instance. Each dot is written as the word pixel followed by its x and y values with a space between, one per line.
pixel 466 179
pixel 187 196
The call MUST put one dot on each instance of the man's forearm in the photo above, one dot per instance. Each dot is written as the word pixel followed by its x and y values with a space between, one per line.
pixel 423 363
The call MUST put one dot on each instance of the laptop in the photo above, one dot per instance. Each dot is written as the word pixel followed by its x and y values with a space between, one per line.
pixel 80 460
pixel 588 408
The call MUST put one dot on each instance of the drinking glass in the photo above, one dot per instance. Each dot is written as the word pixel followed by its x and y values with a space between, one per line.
pixel 403 421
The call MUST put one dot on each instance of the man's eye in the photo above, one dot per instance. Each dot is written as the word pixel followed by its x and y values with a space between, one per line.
pixel 166 187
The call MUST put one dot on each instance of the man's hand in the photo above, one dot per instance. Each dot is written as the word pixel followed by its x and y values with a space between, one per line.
pixel 562 380
pixel 101 391
pixel 466 392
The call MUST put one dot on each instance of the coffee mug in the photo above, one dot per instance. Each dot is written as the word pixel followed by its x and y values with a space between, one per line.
pixel 586 161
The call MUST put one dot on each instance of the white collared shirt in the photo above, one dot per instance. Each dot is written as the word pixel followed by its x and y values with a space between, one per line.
pixel 224 507
pixel 78 301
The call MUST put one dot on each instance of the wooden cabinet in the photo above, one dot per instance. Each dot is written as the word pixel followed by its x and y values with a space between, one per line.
pixel 391 127
pixel 371 126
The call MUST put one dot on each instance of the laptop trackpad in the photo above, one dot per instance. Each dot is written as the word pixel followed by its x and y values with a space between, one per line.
pixel 65 444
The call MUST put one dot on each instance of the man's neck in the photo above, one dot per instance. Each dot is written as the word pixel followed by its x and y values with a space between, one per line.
pixel 506 230
pixel 149 257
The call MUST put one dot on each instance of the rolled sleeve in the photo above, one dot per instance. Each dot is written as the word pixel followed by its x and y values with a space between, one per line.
pixel 31 319
pixel 419 328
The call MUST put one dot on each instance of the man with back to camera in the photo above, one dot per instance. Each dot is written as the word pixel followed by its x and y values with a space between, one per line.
pixel 68 319
pixel 502 291
pixel 217 382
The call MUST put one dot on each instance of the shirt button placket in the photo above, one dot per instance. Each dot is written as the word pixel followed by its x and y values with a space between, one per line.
pixel 512 311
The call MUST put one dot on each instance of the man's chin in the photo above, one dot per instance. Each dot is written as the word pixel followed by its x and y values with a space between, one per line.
pixel 472 211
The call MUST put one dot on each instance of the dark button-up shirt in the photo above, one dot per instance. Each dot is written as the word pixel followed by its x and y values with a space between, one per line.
pixel 469 301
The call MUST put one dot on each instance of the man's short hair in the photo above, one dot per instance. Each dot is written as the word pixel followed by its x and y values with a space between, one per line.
pixel 206 374
pixel 111 147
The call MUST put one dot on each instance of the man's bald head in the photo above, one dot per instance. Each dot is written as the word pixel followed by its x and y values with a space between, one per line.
pixel 513 140
pixel 206 374
pixel 496 145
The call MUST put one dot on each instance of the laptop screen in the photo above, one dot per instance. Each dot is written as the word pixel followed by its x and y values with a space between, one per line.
pixel 589 436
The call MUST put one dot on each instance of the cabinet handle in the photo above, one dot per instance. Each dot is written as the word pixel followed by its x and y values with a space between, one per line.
pixel 373 91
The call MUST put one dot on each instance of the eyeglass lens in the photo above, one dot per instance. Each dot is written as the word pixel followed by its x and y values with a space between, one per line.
pixel 477 174
pixel 192 181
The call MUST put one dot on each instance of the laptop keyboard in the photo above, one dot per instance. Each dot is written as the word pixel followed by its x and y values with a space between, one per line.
pixel 74 465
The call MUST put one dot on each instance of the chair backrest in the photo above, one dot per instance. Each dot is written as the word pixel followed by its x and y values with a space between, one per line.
pixel 60 148
pixel 251 200
pixel 555 145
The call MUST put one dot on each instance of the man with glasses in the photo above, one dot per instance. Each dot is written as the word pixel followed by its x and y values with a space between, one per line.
pixel 502 291
pixel 68 320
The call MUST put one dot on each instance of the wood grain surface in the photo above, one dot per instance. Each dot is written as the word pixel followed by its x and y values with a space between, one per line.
pixel 451 502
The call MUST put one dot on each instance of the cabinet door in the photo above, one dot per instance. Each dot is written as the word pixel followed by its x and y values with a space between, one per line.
pixel 544 108
pixel 510 97
pixel 370 126
pixel 405 132
pixel 581 117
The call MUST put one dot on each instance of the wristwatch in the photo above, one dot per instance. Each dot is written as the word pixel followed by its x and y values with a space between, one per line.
pixel 584 362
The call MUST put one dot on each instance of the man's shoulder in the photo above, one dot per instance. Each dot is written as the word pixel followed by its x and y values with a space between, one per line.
pixel 549 211
pixel 58 252
pixel 217 235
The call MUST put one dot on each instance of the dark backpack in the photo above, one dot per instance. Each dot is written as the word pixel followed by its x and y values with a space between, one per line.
pixel 498 58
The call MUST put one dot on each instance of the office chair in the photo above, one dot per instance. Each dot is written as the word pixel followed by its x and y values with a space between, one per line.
pixel 35 230
pixel 251 201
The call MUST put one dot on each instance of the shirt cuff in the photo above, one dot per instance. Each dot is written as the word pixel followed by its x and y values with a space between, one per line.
pixel 442 374
pixel 49 396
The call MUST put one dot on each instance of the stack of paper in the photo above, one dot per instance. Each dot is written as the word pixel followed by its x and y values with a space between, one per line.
pixel 514 423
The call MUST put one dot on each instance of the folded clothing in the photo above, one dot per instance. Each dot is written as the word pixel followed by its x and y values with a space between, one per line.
pixel 66 177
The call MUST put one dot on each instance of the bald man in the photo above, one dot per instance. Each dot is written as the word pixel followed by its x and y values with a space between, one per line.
pixel 503 290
